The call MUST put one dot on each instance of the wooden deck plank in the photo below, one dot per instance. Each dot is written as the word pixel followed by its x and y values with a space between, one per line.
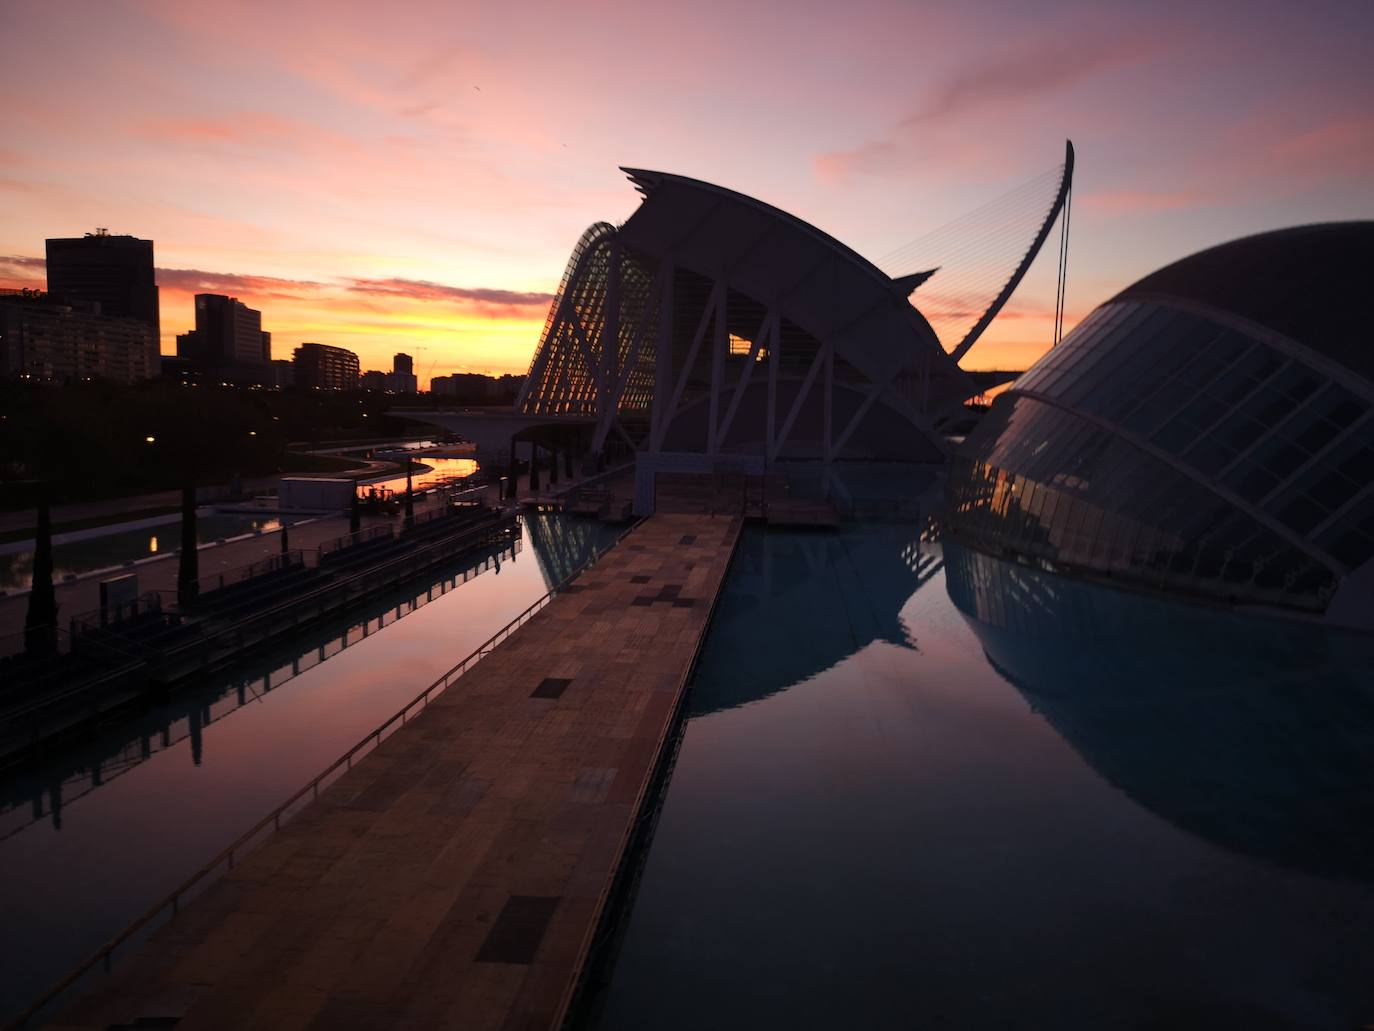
pixel 372 907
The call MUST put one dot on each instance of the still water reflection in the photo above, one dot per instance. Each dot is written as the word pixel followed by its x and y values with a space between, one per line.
pixel 439 469
pixel 96 833
pixel 940 791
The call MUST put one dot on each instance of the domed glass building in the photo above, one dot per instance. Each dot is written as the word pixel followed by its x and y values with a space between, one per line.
pixel 1208 431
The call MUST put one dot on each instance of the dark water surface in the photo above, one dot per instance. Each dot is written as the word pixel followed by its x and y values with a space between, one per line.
pixel 919 788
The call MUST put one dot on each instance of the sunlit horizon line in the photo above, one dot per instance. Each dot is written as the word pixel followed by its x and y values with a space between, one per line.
pixel 376 326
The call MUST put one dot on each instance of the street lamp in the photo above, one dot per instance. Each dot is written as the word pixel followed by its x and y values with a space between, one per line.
pixel 149 440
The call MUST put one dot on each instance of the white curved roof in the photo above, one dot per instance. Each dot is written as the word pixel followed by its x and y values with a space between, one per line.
pixel 820 285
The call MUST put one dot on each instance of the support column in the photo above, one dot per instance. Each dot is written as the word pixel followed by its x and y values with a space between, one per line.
pixel 719 344
pixel 663 354
pixel 534 467
pixel 553 463
pixel 829 400
pixel 513 475
pixel 569 443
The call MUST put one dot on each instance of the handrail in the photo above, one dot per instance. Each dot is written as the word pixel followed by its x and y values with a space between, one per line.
pixel 103 956
pixel 351 540
pixel 342 587
pixel 211 582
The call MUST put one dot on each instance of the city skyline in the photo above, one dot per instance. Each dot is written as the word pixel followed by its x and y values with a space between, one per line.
pixel 415 185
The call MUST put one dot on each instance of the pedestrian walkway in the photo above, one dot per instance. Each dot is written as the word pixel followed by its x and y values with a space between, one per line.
pixel 455 876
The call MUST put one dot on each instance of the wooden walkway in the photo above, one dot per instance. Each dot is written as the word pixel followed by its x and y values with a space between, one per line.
pixel 454 878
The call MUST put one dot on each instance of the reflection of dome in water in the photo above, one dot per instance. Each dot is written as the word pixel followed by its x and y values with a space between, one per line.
pixel 1255 735
pixel 773 628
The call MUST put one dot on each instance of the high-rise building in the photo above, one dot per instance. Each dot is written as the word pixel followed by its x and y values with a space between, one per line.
pixel 59 343
pixel 227 333
pixel 324 367
pixel 401 378
pixel 374 379
pixel 114 273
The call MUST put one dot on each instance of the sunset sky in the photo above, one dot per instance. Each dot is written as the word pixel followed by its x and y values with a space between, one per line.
pixel 411 177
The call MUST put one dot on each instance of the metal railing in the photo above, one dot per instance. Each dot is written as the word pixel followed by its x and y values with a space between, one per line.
pixel 225 860
pixel 443 511
pixel 147 603
pixel 205 649
pixel 352 540
pixel 263 624
pixel 241 574
pixel 79 783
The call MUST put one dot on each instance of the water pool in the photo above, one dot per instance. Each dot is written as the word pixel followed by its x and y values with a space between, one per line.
pixel 921 788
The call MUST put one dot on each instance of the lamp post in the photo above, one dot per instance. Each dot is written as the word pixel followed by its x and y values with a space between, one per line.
pixel 189 571
pixel 40 621
pixel 410 494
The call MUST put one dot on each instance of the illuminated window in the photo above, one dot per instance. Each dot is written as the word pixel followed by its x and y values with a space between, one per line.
pixel 739 345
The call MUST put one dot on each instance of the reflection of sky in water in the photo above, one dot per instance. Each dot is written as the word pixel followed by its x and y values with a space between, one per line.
pixel 1125 814
pixel 153 821
pixel 16 568
pixel 440 469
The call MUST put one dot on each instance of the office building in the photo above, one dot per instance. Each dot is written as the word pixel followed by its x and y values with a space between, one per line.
pixel 324 367
pixel 401 379
pixel 105 275
pixel 58 343
pixel 228 333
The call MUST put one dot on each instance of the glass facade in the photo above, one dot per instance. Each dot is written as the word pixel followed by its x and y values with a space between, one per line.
pixel 564 376
pixel 1158 445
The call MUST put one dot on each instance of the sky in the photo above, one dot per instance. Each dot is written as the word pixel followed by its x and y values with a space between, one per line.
pixel 411 176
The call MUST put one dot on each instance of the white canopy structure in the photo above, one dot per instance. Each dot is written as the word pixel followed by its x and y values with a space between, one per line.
pixel 740 336
pixel 712 332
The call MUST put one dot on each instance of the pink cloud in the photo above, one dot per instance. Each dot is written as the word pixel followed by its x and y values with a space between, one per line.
pixel 22 273
pixel 1338 148
pixel 1009 79
pixel 489 302
pixel 423 290
pixel 195 281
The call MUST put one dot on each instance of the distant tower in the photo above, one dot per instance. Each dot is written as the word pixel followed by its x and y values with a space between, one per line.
pixel 227 332
pixel 401 379
pixel 114 272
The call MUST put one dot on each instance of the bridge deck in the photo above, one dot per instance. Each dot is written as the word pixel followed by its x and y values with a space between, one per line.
pixel 455 876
